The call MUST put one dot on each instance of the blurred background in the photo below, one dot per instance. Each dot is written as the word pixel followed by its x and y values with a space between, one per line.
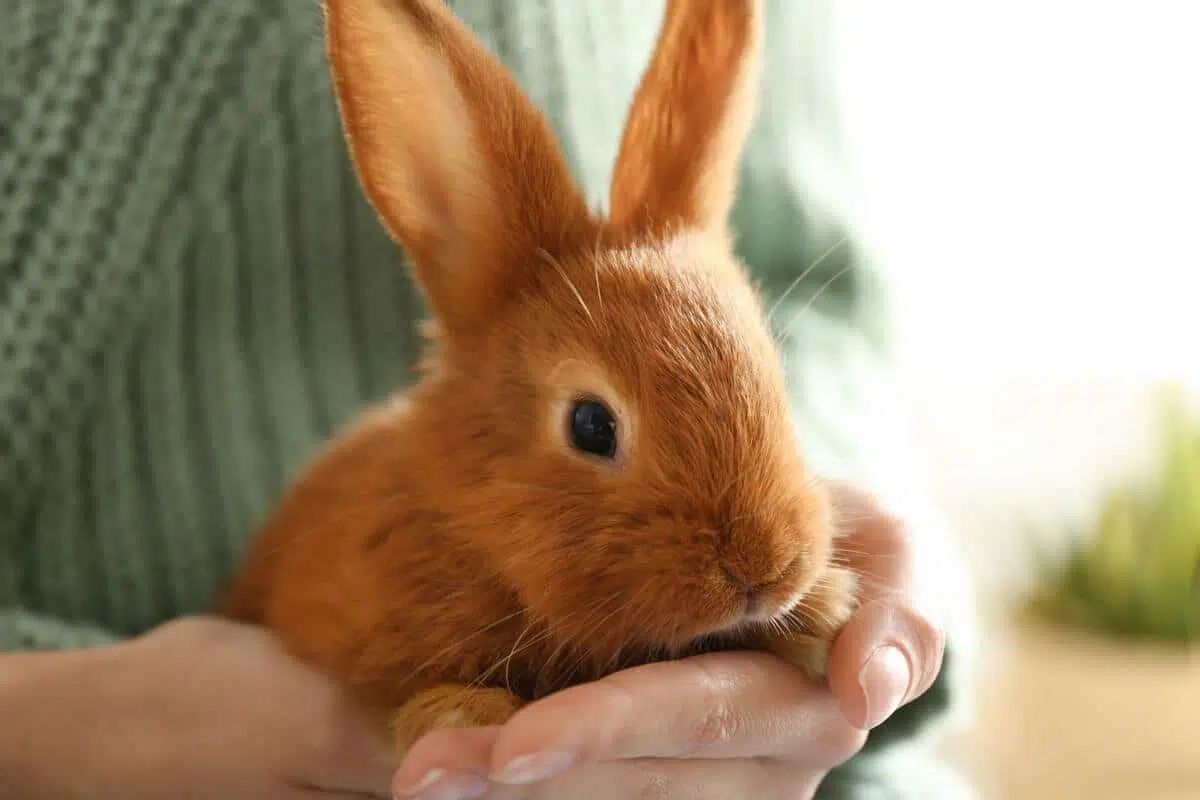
pixel 1032 171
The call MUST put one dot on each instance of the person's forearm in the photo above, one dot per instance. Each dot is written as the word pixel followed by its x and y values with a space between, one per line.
pixel 45 698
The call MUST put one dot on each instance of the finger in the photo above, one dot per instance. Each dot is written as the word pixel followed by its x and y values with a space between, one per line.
pixel 891 651
pixel 887 656
pixel 673 778
pixel 884 550
pixel 716 706
pixel 451 756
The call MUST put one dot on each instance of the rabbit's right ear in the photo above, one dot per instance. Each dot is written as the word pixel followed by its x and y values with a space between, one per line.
pixel 679 157
pixel 457 161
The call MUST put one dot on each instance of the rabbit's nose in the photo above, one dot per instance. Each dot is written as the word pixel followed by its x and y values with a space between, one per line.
pixel 752 592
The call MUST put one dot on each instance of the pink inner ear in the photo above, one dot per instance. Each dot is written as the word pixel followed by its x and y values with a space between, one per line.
pixel 412 134
pixel 458 162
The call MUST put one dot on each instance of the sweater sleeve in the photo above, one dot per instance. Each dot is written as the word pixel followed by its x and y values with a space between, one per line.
pixel 23 630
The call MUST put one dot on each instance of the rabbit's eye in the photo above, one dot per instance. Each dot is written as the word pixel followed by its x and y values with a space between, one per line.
pixel 593 429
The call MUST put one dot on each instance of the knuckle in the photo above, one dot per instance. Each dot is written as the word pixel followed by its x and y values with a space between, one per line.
pixel 718 725
pixel 719 721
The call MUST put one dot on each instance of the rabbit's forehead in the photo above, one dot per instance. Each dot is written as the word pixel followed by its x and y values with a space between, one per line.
pixel 676 325
pixel 684 305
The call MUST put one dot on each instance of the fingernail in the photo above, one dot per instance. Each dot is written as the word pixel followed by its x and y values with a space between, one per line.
pixel 458 787
pixel 884 680
pixel 534 767
pixel 431 777
pixel 439 785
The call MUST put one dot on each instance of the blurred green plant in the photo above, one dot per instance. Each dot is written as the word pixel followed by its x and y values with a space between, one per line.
pixel 1136 572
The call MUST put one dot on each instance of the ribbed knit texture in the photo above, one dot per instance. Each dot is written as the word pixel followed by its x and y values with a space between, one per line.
pixel 194 294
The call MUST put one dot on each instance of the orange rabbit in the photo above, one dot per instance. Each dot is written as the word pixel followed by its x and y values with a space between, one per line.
pixel 598 467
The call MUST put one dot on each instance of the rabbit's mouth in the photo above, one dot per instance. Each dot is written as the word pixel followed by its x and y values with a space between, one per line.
pixel 759 617
pixel 768 602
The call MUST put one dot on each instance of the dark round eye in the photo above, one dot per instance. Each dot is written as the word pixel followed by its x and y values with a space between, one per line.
pixel 593 429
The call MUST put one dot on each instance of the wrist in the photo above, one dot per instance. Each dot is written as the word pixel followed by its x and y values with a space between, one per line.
pixel 48 704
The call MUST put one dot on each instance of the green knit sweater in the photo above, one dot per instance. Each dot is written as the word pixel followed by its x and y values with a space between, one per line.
pixel 194 294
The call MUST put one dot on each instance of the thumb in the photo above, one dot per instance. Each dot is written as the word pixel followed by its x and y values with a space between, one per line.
pixel 887 656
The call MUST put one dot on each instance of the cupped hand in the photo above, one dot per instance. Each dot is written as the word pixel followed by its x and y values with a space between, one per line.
pixel 201 708
pixel 719 725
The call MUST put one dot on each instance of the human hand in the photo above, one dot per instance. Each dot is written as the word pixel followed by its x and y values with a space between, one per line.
pixel 719 725
pixel 200 708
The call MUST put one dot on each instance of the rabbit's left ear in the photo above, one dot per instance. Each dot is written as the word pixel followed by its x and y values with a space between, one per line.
pixel 458 162
pixel 681 151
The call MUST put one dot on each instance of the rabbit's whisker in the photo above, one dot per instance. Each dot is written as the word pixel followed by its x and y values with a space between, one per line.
pixel 459 644
pixel 567 646
pixel 552 261
pixel 816 296
pixel 804 274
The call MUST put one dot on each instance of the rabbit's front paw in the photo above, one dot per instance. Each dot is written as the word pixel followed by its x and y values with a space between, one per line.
pixel 821 614
pixel 451 706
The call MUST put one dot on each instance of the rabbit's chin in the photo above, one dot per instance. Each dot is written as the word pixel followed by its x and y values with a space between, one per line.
pixel 758 620
pixel 736 628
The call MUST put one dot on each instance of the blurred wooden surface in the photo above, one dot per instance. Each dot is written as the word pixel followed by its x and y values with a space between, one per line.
pixel 1063 716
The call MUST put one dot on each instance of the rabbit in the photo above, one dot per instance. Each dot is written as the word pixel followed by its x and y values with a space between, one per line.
pixel 597 467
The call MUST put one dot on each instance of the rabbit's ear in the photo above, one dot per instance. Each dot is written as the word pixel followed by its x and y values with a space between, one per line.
pixel 457 161
pixel 681 150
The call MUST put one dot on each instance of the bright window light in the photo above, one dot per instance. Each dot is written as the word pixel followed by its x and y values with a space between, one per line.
pixel 1032 170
